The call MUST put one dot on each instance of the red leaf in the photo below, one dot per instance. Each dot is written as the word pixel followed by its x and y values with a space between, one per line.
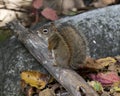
pixel 37 3
pixel 106 78
pixel 49 14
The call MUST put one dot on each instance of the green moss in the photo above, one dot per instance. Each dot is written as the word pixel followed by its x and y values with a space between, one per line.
pixel 4 34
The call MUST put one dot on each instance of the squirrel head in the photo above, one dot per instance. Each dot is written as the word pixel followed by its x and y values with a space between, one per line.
pixel 47 30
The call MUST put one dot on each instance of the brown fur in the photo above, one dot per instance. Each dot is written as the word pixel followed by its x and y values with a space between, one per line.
pixel 69 46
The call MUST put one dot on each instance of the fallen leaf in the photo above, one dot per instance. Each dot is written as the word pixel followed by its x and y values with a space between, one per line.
pixel 106 61
pixel 107 78
pixel 102 3
pixel 96 85
pixel 105 94
pixel 49 14
pixel 99 63
pixel 90 63
pixel 47 92
pixel 115 67
pixel 37 3
pixel 116 94
pixel 117 58
pixel 30 92
pixel 35 78
pixel 115 87
pixel 69 5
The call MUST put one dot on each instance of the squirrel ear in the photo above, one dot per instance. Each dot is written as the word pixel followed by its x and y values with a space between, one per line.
pixel 52 23
pixel 53 26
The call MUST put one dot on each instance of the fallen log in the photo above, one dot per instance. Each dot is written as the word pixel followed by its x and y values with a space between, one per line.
pixel 37 46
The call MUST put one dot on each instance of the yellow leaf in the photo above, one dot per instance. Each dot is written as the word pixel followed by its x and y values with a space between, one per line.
pixel 116 87
pixel 35 79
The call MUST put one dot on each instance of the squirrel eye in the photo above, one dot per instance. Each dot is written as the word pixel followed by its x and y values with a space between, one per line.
pixel 45 31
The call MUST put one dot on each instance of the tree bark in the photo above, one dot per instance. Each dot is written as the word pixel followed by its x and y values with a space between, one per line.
pixel 37 46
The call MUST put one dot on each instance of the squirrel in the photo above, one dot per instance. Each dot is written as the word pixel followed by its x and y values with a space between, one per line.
pixel 67 46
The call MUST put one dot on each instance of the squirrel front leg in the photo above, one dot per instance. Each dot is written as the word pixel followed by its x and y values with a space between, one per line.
pixel 53 43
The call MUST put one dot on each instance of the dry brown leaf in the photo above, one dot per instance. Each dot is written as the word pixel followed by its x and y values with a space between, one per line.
pixel 116 94
pixel 105 94
pixel 117 58
pixel 99 63
pixel 69 5
pixel 47 92
pixel 115 67
pixel 30 92
pixel 102 3
pixel 90 63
